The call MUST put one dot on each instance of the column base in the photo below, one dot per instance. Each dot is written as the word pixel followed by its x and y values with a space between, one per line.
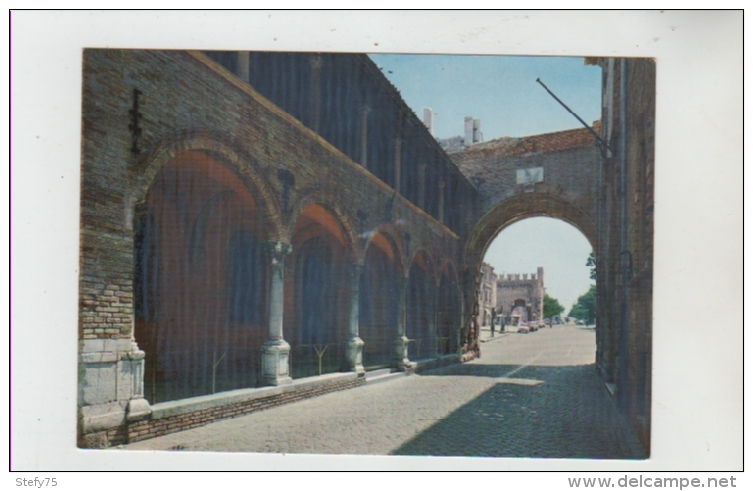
pixel 401 354
pixel 354 355
pixel 275 362
pixel 138 409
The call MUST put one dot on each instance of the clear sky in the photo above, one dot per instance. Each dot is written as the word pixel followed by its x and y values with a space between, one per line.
pixel 502 92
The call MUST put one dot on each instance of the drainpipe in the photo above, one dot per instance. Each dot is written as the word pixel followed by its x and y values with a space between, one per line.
pixel 624 253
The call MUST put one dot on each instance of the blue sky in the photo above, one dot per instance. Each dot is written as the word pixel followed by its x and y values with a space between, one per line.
pixel 502 92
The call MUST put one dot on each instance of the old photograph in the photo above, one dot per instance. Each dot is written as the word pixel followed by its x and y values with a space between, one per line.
pixel 280 254
pixel 436 240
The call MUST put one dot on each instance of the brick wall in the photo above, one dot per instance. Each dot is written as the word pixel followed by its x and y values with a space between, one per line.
pixel 150 428
pixel 189 105
pixel 625 277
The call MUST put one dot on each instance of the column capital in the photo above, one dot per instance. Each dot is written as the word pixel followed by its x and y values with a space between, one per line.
pixel 316 61
pixel 364 109
pixel 278 251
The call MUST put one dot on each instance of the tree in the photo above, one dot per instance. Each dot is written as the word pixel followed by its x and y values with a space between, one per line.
pixel 585 307
pixel 552 307
pixel 592 264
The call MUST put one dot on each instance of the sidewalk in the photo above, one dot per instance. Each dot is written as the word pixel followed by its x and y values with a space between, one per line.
pixel 485 333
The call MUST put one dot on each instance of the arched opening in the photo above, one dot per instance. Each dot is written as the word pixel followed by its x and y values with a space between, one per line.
pixel 448 314
pixel 541 267
pixel 317 328
pixel 518 311
pixel 420 321
pixel 200 280
pixel 378 303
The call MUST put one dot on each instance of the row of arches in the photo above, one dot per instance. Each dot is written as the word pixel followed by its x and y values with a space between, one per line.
pixel 203 275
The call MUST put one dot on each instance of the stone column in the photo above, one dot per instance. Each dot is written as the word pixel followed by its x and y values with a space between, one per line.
pixel 401 343
pixel 422 185
pixel 440 213
pixel 354 344
pixel 275 352
pixel 244 67
pixel 316 65
pixel 364 133
pixel 133 363
pixel 398 163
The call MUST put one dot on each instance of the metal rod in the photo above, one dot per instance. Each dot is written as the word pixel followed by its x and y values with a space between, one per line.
pixel 598 138
pixel 320 354
pixel 214 367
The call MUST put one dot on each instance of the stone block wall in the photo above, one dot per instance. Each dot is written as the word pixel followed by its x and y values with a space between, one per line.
pixel 625 255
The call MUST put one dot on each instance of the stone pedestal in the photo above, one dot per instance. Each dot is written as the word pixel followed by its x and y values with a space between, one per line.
pixel 275 362
pixel 354 355
pixel 401 353
pixel 110 389
pixel 401 343
pixel 138 407
pixel 354 344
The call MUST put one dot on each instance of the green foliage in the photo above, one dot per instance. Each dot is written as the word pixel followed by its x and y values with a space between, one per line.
pixel 592 264
pixel 552 307
pixel 585 307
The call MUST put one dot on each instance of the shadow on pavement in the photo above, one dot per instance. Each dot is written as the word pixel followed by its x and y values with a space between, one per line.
pixel 569 416
pixel 496 371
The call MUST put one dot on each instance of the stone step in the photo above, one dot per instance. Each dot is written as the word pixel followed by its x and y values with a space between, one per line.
pixel 378 373
pixel 383 377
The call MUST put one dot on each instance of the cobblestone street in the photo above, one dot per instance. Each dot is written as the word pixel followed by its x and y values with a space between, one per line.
pixel 529 395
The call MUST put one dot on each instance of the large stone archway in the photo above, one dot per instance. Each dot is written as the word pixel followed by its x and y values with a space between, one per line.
pixel 520 207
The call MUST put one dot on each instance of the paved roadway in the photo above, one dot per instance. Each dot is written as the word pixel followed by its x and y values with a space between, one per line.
pixel 529 395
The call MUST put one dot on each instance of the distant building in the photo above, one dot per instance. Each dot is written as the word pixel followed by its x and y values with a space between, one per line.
pixel 471 134
pixel 520 298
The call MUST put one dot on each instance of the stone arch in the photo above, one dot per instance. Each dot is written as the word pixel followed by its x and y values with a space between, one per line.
pixel 519 207
pixel 331 204
pixel 424 254
pixel 449 309
pixel 316 297
pixel 520 312
pixel 420 324
pixel 391 233
pixel 379 289
pixel 219 147
pixel 197 337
